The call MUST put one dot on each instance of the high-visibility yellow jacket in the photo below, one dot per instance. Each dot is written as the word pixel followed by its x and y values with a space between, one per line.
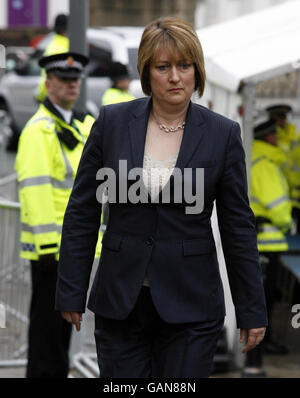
pixel 46 169
pixel 115 95
pixel 289 141
pixel 294 173
pixel 286 136
pixel 59 44
pixel 269 197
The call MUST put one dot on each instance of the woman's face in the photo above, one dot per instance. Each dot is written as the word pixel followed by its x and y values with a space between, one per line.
pixel 172 79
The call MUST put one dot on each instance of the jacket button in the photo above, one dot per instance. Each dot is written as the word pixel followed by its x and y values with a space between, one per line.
pixel 150 241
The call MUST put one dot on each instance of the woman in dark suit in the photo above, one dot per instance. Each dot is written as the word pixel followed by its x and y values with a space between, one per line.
pixel 157 294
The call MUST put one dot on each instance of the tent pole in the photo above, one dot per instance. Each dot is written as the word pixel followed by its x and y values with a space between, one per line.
pixel 248 95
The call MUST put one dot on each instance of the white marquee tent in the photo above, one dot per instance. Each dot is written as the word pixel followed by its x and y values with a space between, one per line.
pixel 253 47
pixel 248 50
pixel 239 54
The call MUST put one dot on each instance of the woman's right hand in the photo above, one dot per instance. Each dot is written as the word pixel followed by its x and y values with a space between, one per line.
pixel 73 317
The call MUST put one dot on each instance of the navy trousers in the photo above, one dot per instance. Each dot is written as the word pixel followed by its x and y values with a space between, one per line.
pixel 49 334
pixel 144 346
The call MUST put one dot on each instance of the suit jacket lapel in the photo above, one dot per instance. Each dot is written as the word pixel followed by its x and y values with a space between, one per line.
pixel 192 135
pixel 137 131
pixel 194 131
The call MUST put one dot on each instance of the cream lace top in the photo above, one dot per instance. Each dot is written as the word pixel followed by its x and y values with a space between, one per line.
pixel 156 174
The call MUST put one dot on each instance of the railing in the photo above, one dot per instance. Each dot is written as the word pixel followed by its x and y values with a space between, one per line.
pixel 8 187
pixel 15 293
pixel 14 287
pixel 15 281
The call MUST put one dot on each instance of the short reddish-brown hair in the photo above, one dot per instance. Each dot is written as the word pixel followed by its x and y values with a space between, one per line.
pixel 173 34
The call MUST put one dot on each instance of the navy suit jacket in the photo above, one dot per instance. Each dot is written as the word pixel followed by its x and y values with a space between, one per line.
pixel 177 250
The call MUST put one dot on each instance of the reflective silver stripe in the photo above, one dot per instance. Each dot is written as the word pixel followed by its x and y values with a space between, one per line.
pixel 254 199
pixel 269 228
pixel 40 229
pixel 69 180
pixel 270 241
pixel 28 182
pixel 49 119
pixel 257 160
pixel 273 204
pixel 69 169
pixel 65 184
pixel 33 181
pixel 277 202
pixel 295 168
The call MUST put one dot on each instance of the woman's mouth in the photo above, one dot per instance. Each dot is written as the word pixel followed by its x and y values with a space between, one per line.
pixel 175 90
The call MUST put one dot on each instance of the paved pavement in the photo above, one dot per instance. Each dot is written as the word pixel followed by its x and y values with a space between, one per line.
pixel 276 366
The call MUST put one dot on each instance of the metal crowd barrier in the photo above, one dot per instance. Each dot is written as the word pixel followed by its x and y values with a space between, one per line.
pixel 14 288
pixel 15 295
pixel 8 187
pixel 15 282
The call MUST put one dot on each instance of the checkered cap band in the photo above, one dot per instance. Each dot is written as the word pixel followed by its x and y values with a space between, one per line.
pixel 28 247
pixel 63 64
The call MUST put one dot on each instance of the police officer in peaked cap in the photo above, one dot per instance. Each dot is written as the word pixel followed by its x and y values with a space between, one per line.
pixel 49 151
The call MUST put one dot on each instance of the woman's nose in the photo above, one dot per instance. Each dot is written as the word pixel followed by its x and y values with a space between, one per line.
pixel 174 76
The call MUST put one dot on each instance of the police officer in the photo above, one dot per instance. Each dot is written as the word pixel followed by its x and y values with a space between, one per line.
pixel 59 44
pixel 48 154
pixel 271 205
pixel 270 202
pixel 289 141
pixel 121 79
pixel 294 181
pixel 286 131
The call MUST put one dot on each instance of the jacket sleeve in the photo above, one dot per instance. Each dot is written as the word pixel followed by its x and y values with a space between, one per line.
pixel 81 227
pixel 33 165
pixel 271 189
pixel 238 236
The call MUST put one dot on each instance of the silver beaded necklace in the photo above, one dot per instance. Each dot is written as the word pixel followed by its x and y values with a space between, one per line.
pixel 169 129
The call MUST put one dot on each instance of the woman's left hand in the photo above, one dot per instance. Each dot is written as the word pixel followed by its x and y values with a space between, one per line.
pixel 73 317
pixel 253 336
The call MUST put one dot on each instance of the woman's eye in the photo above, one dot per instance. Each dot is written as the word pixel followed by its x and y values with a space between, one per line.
pixel 185 66
pixel 162 67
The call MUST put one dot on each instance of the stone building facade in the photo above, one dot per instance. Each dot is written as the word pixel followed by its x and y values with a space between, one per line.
pixel 138 12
